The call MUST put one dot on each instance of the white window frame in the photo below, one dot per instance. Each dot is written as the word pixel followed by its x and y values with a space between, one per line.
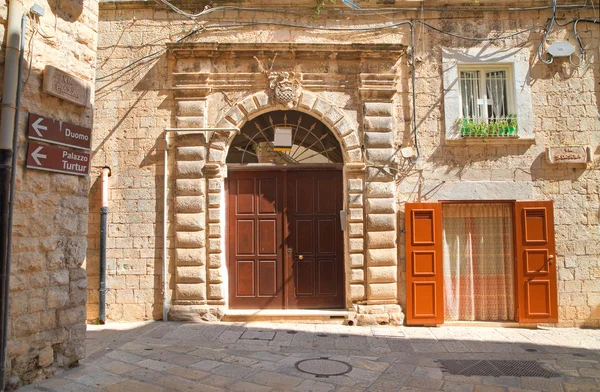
pixel 483 69
pixel 515 61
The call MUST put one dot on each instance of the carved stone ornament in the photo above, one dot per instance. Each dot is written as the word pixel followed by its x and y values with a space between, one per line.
pixel 285 88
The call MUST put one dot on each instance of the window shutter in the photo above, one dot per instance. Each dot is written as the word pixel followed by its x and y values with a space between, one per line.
pixel 424 275
pixel 536 262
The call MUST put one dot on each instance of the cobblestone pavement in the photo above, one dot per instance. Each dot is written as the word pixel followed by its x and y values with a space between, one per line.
pixel 257 357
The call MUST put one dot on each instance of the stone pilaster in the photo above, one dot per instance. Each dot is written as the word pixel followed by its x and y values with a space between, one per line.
pixel 190 219
pixel 356 239
pixel 217 287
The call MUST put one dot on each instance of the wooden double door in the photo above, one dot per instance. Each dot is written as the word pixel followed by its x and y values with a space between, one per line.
pixel 285 239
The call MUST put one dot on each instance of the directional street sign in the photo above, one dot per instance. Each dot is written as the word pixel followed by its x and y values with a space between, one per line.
pixel 59 132
pixel 57 159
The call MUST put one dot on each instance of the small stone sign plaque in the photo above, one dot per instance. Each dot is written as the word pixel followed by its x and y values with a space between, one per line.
pixel 66 86
pixel 569 154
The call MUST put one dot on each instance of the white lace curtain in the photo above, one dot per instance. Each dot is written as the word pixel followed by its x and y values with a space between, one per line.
pixel 478 262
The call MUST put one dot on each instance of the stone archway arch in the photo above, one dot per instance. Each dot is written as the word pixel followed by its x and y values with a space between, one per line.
pixel 259 103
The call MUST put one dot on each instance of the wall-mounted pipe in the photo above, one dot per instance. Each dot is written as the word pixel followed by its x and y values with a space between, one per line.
pixel 11 96
pixel 103 219
pixel 164 269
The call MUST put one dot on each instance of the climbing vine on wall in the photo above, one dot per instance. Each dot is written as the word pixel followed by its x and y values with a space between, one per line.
pixel 320 4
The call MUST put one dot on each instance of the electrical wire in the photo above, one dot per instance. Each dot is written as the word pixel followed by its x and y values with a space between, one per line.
pixel 548 31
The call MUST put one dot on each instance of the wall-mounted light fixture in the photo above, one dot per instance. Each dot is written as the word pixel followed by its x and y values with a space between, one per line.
pixel 283 139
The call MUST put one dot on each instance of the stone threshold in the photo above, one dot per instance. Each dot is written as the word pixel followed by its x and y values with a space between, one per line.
pixel 290 315
pixel 489 324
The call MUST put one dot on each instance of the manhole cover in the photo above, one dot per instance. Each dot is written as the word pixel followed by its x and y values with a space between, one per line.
pixel 496 368
pixel 323 367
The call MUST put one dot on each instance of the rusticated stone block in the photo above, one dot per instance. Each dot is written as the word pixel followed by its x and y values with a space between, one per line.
pixel 382 274
pixel 356 244
pixel 378 109
pixel 379 124
pixel 307 101
pixel 379 174
pixel 357 275
pixel 214 245
pixel 190 274
pixel 190 291
pixel 382 257
pixel 355 200
pixel 355 185
pixel 190 122
pixel 261 99
pixel 382 291
pixel 351 140
pixel 381 155
pixel 189 169
pixel 381 222
pixel 190 222
pixel 215 260
pixel 190 153
pixel 189 204
pixel 381 239
pixel 236 115
pixel 191 108
pixel 357 292
pixel 189 139
pixel 357 260
pixel 214 230
pixel 186 256
pixel 355 214
pixel 380 189
pixel 216 291
pixel 189 187
pixel 249 105
pixel 381 206
pixel 191 239
pixel 356 229
pixel 332 116
pixel 215 184
pixel 215 155
pixel 379 139
pixel 215 275
pixel 214 215
pixel 354 155
pixel 214 199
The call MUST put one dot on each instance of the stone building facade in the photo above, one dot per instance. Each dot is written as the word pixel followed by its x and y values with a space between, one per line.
pixel 48 279
pixel 175 97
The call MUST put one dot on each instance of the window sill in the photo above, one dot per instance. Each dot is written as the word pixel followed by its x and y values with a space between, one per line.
pixel 493 141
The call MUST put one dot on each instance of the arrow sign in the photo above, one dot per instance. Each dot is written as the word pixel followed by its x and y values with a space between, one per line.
pixel 36 155
pixel 58 132
pixel 37 126
pixel 56 159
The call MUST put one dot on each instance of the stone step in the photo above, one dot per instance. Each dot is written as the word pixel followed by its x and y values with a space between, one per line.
pixel 311 316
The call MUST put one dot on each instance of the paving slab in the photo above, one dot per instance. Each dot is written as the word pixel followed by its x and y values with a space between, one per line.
pixel 265 357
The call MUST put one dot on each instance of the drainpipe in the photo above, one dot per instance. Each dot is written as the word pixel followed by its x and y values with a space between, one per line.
pixel 103 214
pixel 164 269
pixel 8 128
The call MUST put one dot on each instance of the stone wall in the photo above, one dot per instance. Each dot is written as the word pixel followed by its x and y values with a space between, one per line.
pixel 48 278
pixel 136 105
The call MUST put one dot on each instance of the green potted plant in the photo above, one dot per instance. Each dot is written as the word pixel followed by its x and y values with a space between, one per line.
pixel 512 124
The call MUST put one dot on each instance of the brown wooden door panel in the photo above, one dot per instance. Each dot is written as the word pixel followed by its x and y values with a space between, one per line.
pixel 536 267
pixel 314 233
pixel 255 240
pixel 424 276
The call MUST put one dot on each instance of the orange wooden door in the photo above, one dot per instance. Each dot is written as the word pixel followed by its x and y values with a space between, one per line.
pixel 424 275
pixel 536 262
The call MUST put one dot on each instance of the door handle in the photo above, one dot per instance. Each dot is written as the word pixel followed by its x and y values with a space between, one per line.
pixel 300 257
pixel 550 259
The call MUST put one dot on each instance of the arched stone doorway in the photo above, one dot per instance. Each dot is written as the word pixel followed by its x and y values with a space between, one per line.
pixel 285 243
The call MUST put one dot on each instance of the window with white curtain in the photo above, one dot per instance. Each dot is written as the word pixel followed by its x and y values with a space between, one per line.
pixel 485 92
